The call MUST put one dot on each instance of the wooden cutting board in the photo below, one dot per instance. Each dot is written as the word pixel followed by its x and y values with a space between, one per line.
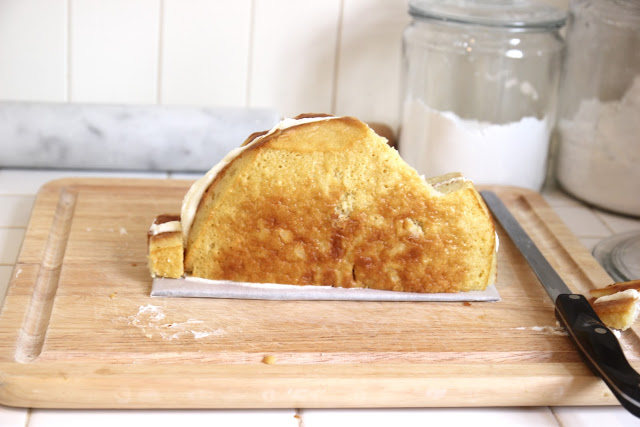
pixel 79 329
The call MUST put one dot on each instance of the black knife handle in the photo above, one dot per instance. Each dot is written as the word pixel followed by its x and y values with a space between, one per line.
pixel 600 348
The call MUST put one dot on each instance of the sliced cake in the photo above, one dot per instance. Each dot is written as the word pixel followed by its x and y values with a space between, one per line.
pixel 326 201
pixel 617 305
pixel 166 250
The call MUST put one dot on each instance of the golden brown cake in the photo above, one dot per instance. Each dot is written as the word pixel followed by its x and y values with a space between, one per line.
pixel 618 304
pixel 326 201
pixel 166 251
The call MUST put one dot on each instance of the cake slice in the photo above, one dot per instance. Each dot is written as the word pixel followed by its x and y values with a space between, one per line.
pixel 326 201
pixel 166 250
pixel 617 305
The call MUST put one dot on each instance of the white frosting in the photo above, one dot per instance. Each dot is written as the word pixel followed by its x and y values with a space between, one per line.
pixel 193 196
pixel 166 227
pixel 629 293
pixel 449 181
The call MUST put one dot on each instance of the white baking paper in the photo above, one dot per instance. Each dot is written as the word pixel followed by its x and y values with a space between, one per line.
pixel 195 287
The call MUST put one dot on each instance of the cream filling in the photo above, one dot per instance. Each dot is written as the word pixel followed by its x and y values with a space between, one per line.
pixel 195 193
pixel 449 181
pixel 166 227
pixel 629 293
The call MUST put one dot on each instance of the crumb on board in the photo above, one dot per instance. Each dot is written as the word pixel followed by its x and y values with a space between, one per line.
pixel 466 304
pixel 112 295
pixel 269 359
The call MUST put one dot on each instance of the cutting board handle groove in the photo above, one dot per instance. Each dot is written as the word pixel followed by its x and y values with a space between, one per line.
pixel 38 314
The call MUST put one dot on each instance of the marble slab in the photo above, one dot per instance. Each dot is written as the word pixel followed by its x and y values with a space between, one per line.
pixel 124 137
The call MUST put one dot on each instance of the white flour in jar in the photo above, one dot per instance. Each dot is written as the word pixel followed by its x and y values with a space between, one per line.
pixel 599 152
pixel 436 142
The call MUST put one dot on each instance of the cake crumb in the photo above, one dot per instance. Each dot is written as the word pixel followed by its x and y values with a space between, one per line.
pixel 113 295
pixel 269 359
pixel 466 304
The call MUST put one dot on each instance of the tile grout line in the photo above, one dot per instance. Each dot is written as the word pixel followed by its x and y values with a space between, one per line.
pixel 68 62
pixel 602 221
pixel 159 46
pixel 298 416
pixel 555 416
pixel 252 22
pixel 336 60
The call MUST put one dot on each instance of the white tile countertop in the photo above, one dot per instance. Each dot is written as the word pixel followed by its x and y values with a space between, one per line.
pixel 17 194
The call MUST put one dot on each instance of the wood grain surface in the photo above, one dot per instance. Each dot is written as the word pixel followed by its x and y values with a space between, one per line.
pixel 79 330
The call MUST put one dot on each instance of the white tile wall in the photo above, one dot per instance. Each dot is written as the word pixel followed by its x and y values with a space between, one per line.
pixel 16 210
pixel 205 52
pixel 114 51
pixel 13 417
pixel 370 60
pixel 33 50
pixel 478 417
pixel 335 56
pixel 138 418
pixel 294 55
pixel 10 243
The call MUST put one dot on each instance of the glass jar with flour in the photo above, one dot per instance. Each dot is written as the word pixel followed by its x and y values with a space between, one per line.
pixel 598 153
pixel 480 82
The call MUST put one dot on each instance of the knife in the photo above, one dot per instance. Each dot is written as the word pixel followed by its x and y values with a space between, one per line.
pixel 595 341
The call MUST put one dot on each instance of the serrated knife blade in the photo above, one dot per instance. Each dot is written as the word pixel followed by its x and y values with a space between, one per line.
pixel 595 341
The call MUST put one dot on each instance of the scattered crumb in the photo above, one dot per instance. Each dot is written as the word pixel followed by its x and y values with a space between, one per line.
pixel 269 359
pixel 466 304
pixel 18 272
pixel 134 264
pixel 123 231
pixel 549 330
pixel 113 295
pixel 150 319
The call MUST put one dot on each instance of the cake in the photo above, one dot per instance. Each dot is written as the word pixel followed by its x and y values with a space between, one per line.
pixel 326 201
pixel 166 251
pixel 618 304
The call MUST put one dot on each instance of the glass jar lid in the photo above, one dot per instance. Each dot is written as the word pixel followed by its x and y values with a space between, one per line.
pixel 522 14
pixel 619 255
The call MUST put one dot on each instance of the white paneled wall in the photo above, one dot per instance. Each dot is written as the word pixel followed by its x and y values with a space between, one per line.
pixel 113 51
pixel 336 56
pixel 205 52
pixel 33 50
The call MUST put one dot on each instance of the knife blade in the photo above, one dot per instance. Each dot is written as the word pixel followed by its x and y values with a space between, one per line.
pixel 596 342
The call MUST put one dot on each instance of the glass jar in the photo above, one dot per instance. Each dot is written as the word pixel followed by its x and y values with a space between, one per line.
pixel 598 152
pixel 480 89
